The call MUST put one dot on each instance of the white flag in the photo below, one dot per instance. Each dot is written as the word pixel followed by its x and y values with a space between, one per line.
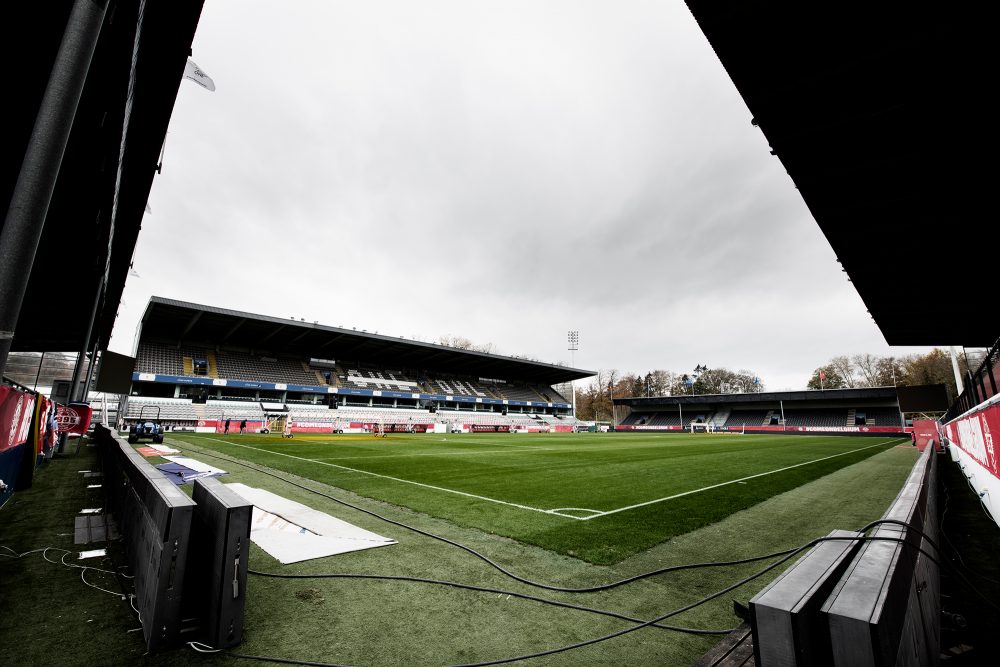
pixel 196 74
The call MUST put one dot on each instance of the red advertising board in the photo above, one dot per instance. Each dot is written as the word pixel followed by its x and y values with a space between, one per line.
pixel 73 418
pixel 925 432
pixel 973 434
pixel 790 429
pixel 489 428
pixel 633 427
pixel 16 411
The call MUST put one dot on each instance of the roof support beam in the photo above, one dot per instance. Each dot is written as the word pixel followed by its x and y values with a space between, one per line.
pixel 32 195
pixel 190 325
pixel 270 335
pixel 228 334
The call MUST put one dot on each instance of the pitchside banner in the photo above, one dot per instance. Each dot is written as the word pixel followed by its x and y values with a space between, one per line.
pixel 74 418
pixel 16 411
pixel 489 428
pixel 633 427
pixel 787 429
pixel 974 435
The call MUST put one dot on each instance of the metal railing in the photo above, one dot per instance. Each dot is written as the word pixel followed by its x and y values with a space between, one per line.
pixel 980 384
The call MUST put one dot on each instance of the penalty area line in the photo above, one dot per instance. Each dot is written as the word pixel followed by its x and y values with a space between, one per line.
pixel 734 481
pixel 398 479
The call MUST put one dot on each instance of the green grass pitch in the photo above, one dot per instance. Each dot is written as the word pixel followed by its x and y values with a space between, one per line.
pixel 597 497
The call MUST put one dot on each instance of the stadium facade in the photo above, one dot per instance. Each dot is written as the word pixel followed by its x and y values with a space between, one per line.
pixel 869 411
pixel 198 366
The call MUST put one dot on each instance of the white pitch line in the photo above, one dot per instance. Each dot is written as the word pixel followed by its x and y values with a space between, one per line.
pixel 734 481
pixel 395 479
pixel 451 453
pixel 560 511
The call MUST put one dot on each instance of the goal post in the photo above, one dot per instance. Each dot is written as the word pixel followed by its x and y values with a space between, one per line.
pixel 702 427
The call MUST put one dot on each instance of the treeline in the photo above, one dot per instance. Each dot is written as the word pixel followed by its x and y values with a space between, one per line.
pixel 869 370
pixel 593 400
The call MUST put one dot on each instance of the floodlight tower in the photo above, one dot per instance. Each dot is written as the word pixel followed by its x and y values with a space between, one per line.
pixel 574 344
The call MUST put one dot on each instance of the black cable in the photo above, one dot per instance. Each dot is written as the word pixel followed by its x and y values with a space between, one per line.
pixel 645 624
pixel 484 589
pixel 785 556
pixel 693 604
pixel 561 589
pixel 589 589
pixel 495 565
pixel 576 645
pixel 264 658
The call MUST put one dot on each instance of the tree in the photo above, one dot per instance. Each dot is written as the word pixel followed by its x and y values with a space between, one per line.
pixel 890 371
pixel 844 368
pixel 463 343
pixel 831 379
pixel 932 368
pixel 868 370
pixel 867 367
pixel 661 383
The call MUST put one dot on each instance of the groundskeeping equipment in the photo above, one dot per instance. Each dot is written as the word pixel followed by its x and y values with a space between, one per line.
pixel 146 428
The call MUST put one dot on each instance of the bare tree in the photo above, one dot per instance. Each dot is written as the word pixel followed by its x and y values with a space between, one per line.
pixel 890 371
pixel 844 368
pixel 867 367
pixel 463 343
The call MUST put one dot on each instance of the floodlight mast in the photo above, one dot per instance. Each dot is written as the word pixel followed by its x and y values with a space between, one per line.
pixel 574 344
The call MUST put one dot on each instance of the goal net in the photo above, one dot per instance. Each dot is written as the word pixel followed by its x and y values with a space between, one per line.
pixel 702 427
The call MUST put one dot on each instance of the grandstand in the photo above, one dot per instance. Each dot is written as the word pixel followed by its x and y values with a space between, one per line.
pixel 873 411
pixel 202 365
pixel 839 98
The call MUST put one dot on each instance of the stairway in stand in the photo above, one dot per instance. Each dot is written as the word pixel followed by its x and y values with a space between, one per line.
pixel 720 417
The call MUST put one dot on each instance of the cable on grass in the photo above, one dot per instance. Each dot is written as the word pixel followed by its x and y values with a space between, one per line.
pixel 103 590
pixel 561 589
pixel 783 555
pixel 485 589
pixel 131 601
pixel 497 566
pixel 14 554
pixel 644 624
pixel 205 648
pixel 62 561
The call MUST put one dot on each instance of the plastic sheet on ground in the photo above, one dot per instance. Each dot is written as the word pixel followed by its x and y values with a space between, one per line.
pixel 194 464
pixel 181 475
pixel 292 532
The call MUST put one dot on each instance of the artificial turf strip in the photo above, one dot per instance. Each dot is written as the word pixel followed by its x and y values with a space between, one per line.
pixel 367 623
pixel 549 471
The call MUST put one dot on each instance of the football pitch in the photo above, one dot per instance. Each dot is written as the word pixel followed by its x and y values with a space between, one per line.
pixel 597 497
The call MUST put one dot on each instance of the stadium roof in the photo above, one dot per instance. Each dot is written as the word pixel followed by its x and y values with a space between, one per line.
pixel 878 111
pixel 658 402
pixel 79 241
pixel 179 322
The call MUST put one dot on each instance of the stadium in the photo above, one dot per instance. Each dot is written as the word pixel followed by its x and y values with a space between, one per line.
pixel 247 487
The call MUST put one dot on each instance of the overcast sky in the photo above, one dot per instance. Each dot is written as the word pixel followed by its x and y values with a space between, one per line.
pixel 505 171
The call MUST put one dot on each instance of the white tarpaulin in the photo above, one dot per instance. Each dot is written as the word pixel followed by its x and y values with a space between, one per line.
pixel 292 532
